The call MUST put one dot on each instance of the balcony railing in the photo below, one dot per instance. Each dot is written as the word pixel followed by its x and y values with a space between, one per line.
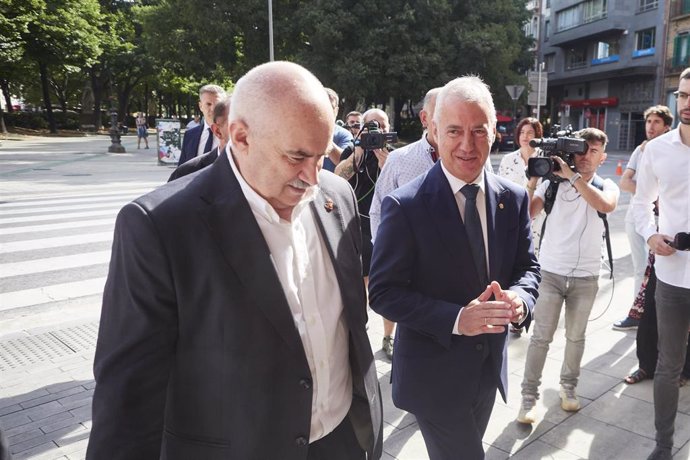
pixel 646 5
pixel 676 66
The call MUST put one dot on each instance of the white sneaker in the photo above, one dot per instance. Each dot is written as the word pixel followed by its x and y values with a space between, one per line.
pixel 527 412
pixel 569 401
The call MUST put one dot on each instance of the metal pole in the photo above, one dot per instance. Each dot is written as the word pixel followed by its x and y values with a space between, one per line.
pixel 541 66
pixel 270 30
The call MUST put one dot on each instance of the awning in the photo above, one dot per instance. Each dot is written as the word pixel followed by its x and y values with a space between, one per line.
pixel 600 102
pixel 503 118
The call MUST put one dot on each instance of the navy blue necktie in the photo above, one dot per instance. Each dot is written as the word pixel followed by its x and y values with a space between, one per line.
pixel 473 227
pixel 209 141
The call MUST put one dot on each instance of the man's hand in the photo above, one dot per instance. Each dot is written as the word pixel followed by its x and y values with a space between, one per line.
pixel 482 316
pixel 657 243
pixel 565 172
pixel 381 155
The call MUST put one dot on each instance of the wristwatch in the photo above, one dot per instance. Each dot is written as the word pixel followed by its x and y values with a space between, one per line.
pixel 574 179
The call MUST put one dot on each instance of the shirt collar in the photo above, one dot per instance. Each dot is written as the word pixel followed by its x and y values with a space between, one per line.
pixel 456 184
pixel 259 204
pixel 206 126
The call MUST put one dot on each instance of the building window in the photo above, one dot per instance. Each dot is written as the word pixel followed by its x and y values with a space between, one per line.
pixel 593 10
pixel 681 50
pixel 646 5
pixel 568 18
pixel 576 58
pixel 550 62
pixel 645 39
pixel 547 30
pixel 644 43
pixel 606 49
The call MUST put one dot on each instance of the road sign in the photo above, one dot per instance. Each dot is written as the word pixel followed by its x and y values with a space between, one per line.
pixel 536 87
pixel 514 91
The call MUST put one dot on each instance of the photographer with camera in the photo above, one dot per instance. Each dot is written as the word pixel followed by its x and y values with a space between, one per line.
pixel 570 255
pixel 665 172
pixel 362 165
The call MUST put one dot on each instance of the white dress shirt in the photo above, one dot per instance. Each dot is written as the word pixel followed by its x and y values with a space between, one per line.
pixel 204 138
pixel 665 172
pixel 402 165
pixel 306 273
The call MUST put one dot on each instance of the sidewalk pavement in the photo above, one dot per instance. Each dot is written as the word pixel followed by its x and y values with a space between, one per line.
pixel 46 384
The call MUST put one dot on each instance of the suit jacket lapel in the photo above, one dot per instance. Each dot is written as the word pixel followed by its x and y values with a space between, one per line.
pixel 443 210
pixel 234 229
pixel 495 222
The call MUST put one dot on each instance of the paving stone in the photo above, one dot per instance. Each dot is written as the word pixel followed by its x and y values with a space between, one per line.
pixel 406 444
pixel 10 421
pixel 50 438
pixel 10 409
pixel 44 410
pixel 589 438
pixel 41 449
pixel 39 423
pixel 76 388
pixel 539 450
pixel 506 434
pixel 76 436
pixel 24 396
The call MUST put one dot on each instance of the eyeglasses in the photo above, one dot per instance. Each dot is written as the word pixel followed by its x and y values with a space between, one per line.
pixel 680 95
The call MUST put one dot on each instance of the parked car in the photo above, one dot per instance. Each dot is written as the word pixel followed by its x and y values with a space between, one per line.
pixel 505 135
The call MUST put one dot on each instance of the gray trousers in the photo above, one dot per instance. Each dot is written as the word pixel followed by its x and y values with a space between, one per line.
pixel 673 321
pixel 578 294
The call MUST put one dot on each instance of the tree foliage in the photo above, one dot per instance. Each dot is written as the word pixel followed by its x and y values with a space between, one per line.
pixel 372 51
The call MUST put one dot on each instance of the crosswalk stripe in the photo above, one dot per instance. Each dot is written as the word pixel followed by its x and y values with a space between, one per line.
pixel 55 242
pixel 91 191
pixel 121 196
pixel 34 266
pixel 52 293
pixel 68 215
pixel 54 209
pixel 58 226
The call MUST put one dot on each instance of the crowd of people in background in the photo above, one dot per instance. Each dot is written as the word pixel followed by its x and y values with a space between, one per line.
pixel 250 291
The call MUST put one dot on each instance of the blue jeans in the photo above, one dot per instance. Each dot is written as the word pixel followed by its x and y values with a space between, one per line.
pixel 578 294
pixel 673 320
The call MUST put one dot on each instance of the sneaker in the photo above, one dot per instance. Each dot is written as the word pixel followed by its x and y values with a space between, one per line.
pixel 627 324
pixel 515 330
pixel 527 412
pixel 569 401
pixel 387 346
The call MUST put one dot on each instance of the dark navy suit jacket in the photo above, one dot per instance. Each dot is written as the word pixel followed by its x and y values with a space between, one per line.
pixel 422 274
pixel 190 143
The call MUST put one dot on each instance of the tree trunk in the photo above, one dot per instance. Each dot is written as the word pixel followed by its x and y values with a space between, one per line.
pixel 146 98
pixel 3 128
pixel 5 85
pixel 97 89
pixel 43 70
pixel 397 105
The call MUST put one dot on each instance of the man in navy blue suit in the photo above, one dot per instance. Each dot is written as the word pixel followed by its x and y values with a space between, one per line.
pixel 200 139
pixel 453 265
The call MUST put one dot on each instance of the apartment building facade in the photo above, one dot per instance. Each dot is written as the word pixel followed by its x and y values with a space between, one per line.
pixel 605 60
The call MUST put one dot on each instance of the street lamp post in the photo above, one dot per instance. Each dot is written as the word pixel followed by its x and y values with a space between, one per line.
pixel 116 145
pixel 270 30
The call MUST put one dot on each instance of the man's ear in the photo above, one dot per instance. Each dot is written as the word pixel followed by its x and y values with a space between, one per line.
pixel 424 118
pixel 215 129
pixel 434 129
pixel 201 109
pixel 603 158
pixel 238 135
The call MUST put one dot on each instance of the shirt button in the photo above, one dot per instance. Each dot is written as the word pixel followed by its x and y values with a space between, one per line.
pixel 301 441
pixel 305 383
pixel 479 347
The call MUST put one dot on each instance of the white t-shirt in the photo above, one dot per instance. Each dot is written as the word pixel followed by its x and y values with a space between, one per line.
pixel 572 241
pixel 632 164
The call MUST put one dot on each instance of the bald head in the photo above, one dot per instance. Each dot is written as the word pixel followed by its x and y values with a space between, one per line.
pixel 377 115
pixel 268 92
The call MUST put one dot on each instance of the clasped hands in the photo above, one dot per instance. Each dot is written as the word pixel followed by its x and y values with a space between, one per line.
pixel 484 316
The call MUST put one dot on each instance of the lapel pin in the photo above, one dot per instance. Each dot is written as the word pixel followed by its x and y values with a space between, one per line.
pixel 500 205
pixel 329 205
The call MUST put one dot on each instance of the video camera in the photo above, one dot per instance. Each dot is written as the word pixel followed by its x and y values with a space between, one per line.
pixel 372 138
pixel 561 145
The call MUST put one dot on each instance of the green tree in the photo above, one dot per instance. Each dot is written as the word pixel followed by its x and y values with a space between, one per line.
pixel 64 32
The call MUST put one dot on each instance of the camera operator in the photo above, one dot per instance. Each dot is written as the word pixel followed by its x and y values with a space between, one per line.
pixel 664 172
pixel 361 168
pixel 570 258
